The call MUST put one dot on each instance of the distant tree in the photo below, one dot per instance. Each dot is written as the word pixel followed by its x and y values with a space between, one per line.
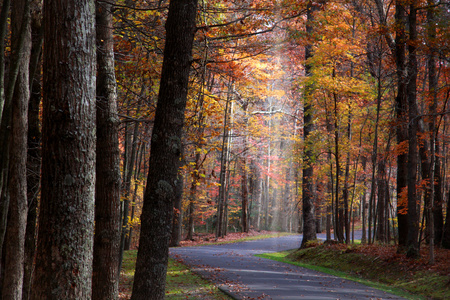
pixel 157 212
pixel 105 283
pixel 66 212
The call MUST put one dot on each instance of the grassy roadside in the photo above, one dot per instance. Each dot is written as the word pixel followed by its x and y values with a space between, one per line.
pixel 181 282
pixel 377 266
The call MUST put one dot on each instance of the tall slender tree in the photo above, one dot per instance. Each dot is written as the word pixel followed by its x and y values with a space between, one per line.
pixel 413 125
pixel 309 220
pixel 66 213
pixel 157 212
pixel 105 279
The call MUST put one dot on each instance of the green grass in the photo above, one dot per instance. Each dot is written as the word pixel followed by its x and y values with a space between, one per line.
pixel 389 276
pixel 181 282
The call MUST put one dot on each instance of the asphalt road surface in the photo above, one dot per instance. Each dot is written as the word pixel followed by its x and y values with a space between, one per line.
pixel 243 276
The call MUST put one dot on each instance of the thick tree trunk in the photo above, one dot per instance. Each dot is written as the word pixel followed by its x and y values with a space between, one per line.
pixel 66 219
pixel 17 180
pixel 166 148
pixel 105 279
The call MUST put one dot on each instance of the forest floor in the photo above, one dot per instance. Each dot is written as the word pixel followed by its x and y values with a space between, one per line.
pixel 376 265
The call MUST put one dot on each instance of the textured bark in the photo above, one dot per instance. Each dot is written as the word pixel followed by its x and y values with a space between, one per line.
pixel 177 213
pixel 6 116
pixel 17 180
pixel 401 114
pixel 66 219
pixel 105 279
pixel 166 148
pixel 413 124
pixel 34 145
pixel 309 221
pixel 4 15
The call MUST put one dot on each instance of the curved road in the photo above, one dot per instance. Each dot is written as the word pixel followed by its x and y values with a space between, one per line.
pixel 244 276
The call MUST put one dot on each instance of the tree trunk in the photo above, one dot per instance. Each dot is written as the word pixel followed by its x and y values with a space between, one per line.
pixel 4 16
pixel 364 203
pixel 401 114
pixel 177 214
pixel 192 195
pixel 436 213
pixel 17 177
pixel 223 168
pixel 308 192
pixel 346 190
pixel 34 147
pixel 166 148
pixel 413 124
pixel 125 230
pixel 244 182
pixel 382 201
pixel 105 279
pixel 66 219
pixel 6 116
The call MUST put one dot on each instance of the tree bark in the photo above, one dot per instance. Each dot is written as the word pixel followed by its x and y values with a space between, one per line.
pixel 401 114
pixel 4 16
pixel 244 181
pixel 177 214
pixel 413 124
pixel 309 221
pixel 166 148
pixel 17 180
pixel 34 145
pixel 105 279
pixel 66 219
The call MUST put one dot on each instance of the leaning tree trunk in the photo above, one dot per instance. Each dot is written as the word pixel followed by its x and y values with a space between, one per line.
pixel 157 212
pixel 17 177
pixel 66 212
pixel 105 283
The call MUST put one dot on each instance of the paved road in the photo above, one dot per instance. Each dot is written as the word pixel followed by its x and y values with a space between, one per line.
pixel 244 276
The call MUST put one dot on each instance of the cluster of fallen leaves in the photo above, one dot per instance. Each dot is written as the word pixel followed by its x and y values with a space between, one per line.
pixel 207 238
pixel 389 254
